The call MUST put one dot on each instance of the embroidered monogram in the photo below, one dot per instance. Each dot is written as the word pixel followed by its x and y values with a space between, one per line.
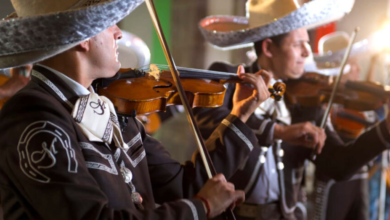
pixel 52 139
pixel 97 105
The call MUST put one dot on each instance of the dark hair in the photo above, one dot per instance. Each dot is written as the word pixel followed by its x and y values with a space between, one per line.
pixel 275 39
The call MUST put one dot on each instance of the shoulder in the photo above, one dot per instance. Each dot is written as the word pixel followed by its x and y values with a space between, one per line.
pixel 31 99
pixel 30 109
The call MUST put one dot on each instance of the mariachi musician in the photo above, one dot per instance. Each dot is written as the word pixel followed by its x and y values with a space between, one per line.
pixel 348 199
pixel 12 80
pixel 64 154
pixel 285 131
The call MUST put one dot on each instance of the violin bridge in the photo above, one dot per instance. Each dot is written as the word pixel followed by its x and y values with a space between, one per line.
pixel 154 71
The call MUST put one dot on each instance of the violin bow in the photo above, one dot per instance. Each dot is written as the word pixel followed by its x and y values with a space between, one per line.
pixel 335 86
pixel 210 169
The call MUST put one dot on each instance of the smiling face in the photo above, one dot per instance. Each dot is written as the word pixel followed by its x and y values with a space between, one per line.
pixel 288 58
pixel 104 52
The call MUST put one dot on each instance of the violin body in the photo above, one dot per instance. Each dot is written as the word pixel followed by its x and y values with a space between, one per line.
pixel 315 89
pixel 147 94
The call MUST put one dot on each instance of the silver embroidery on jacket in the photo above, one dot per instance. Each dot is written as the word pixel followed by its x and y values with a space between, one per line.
pixel 52 139
pixel 99 166
pixel 239 133
pixel 192 207
pixel 52 86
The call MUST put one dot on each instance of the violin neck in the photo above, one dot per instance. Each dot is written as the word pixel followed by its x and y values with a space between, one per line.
pixel 207 74
pixel 199 74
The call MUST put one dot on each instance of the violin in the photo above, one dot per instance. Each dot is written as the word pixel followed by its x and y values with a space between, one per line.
pixel 349 123
pixel 150 89
pixel 314 89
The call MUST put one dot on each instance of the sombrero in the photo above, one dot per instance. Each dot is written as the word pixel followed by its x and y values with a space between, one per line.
pixel 331 48
pixel 267 18
pixel 40 29
pixel 133 52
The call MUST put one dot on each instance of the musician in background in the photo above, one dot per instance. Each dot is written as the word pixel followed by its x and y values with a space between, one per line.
pixel 345 200
pixel 19 77
pixel 286 131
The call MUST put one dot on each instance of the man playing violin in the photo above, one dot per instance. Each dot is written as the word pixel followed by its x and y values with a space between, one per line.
pixel 65 152
pixel 287 133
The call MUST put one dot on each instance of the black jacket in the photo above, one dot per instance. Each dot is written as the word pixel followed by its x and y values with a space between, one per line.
pixel 337 160
pixel 50 170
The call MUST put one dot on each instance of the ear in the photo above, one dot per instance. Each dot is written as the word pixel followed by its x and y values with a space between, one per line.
pixel 84 46
pixel 266 47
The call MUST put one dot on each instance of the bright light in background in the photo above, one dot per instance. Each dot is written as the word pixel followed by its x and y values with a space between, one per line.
pixel 381 39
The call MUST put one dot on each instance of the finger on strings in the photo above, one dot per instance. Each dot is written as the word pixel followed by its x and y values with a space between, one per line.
pixel 240 70
pixel 266 76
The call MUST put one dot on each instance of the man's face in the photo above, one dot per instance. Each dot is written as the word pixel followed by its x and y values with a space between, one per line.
pixel 288 59
pixel 104 52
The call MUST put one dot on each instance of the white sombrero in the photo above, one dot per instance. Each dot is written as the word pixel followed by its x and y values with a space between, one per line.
pixel 44 28
pixel 133 52
pixel 267 18
pixel 332 47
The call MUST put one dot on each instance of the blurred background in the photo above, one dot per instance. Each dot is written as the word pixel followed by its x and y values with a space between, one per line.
pixel 180 23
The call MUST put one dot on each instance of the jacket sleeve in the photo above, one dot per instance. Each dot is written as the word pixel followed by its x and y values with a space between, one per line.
pixel 209 118
pixel 44 172
pixel 340 161
pixel 229 147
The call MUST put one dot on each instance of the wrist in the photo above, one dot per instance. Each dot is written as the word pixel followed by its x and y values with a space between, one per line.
pixel 243 118
pixel 278 131
pixel 206 205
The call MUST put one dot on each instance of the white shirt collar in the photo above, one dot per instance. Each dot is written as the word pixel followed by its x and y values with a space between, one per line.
pixel 75 86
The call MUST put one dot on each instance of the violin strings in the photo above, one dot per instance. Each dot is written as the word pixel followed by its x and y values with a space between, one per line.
pixel 190 71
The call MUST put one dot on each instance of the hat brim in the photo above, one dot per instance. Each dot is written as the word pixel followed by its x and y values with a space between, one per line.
pixel 336 57
pixel 44 36
pixel 334 71
pixel 234 30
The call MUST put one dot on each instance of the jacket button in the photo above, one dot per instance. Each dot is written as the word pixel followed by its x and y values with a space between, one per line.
pixel 126 174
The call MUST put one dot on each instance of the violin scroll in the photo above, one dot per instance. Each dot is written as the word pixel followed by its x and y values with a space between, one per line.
pixel 277 90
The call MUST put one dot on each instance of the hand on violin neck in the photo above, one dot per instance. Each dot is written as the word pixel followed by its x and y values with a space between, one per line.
pixel 220 195
pixel 251 93
pixel 304 134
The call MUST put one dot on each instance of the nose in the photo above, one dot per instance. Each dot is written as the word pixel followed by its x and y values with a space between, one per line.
pixel 117 32
pixel 305 50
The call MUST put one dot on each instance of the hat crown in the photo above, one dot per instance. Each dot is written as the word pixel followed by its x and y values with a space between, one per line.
pixel 333 42
pixel 261 12
pixel 25 8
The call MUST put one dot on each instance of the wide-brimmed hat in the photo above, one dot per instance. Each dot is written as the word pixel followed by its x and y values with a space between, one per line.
pixel 268 18
pixel 40 29
pixel 312 66
pixel 332 47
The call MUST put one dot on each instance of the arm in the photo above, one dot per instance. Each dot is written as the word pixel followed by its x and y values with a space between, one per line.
pixel 209 119
pixel 340 161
